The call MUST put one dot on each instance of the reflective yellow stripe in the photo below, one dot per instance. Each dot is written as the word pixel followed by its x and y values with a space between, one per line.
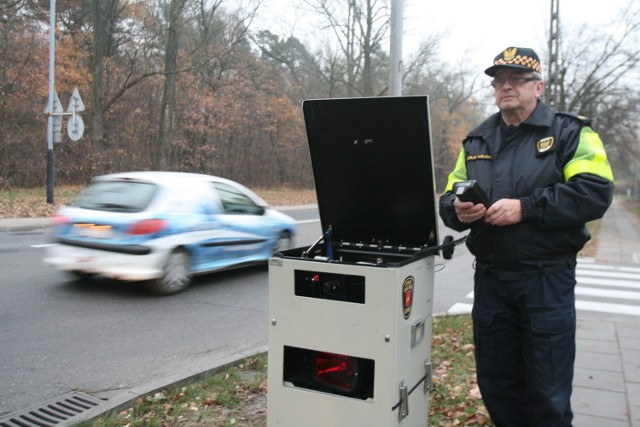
pixel 590 157
pixel 459 173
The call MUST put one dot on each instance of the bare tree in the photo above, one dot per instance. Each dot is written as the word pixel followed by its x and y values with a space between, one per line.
pixel 599 78
pixel 359 28
pixel 292 59
pixel 22 65
pixel 123 56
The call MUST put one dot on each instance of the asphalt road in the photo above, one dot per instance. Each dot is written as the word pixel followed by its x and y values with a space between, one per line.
pixel 103 337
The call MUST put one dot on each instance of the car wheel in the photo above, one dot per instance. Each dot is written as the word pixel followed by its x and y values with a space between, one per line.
pixel 284 242
pixel 176 274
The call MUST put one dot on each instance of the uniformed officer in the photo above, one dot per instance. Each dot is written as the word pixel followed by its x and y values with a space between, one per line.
pixel 545 174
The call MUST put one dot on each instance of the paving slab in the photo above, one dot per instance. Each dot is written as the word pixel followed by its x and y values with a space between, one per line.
pixel 600 403
pixel 599 361
pixel 598 379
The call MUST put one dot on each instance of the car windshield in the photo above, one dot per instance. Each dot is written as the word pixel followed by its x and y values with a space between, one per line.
pixel 117 196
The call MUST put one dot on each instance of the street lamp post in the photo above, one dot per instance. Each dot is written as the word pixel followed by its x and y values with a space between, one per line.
pixel 395 54
pixel 50 104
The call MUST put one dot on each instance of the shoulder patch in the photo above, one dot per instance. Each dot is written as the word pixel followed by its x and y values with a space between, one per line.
pixel 545 144
pixel 582 119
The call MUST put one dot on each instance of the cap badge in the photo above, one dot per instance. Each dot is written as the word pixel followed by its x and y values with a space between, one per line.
pixel 510 53
pixel 544 144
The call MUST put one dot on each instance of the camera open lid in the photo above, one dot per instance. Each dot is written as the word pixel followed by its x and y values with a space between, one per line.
pixel 373 169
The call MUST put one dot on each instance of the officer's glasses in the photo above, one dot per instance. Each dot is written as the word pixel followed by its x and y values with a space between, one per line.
pixel 513 79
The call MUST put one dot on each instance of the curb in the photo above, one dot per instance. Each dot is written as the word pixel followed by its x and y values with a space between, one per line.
pixel 24 224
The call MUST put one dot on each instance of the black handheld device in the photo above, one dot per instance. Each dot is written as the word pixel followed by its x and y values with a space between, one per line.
pixel 470 191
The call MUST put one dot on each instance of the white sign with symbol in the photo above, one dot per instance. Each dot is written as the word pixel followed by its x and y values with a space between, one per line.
pixel 75 103
pixel 57 105
pixel 75 127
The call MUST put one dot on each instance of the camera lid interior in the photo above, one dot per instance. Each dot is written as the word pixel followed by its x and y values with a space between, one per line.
pixel 373 169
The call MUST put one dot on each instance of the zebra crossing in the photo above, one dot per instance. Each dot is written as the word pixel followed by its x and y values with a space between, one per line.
pixel 601 288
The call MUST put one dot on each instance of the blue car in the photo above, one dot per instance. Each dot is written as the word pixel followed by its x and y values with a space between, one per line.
pixel 165 227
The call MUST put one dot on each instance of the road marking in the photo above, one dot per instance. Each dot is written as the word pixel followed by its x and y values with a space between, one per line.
pixel 595 292
pixel 599 279
pixel 607 293
pixel 605 267
pixel 460 308
pixel 604 307
pixel 608 274
pixel 605 282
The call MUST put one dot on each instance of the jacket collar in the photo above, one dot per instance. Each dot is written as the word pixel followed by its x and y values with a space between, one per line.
pixel 542 116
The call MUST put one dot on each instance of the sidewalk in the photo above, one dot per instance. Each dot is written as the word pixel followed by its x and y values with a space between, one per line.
pixel 607 369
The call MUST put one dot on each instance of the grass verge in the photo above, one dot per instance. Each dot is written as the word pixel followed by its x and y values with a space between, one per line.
pixel 236 395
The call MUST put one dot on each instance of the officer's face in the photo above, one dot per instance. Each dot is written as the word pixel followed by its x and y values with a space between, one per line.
pixel 516 91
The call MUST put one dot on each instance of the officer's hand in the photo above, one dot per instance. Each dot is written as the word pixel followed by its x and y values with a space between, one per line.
pixel 504 212
pixel 467 212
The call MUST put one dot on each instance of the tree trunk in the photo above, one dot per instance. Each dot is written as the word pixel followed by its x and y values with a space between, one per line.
pixel 102 15
pixel 162 154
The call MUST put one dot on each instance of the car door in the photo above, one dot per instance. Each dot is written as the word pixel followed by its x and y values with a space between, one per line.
pixel 240 213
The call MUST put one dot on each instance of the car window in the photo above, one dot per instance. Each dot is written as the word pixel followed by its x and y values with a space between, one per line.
pixel 234 202
pixel 117 196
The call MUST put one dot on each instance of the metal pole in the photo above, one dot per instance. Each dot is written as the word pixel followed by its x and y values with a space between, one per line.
pixel 395 54
pixel 52 57
pixel 552 89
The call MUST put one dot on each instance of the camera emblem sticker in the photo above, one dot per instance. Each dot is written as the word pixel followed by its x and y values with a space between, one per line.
pixel 407 296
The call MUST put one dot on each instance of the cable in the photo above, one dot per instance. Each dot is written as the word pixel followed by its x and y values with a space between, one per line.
pixel 446 247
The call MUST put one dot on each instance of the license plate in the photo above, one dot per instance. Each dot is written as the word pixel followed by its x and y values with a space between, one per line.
pixel 93 231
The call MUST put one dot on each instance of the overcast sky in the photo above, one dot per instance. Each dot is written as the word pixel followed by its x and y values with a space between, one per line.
pixel 474 30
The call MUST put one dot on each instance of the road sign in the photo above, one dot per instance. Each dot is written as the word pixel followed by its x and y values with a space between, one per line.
pixel 75 103
pixel 57 105
pixel 75 127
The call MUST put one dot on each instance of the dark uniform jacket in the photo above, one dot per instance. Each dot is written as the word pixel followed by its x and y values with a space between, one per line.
pixel 556 165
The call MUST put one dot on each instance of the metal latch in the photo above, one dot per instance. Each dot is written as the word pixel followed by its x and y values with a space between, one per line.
pixel 403 410
pixel 427 377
